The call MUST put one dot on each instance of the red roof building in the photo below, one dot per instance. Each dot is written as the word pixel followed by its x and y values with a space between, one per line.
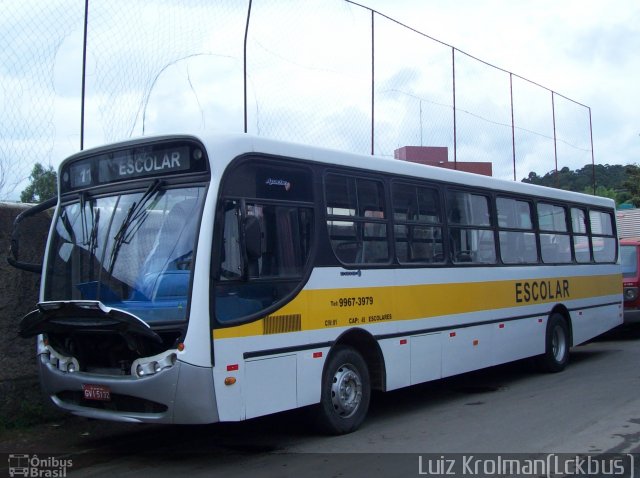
pixel 438 156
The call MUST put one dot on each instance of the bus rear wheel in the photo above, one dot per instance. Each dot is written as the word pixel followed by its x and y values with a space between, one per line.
pixel 346 392
pixel 557 344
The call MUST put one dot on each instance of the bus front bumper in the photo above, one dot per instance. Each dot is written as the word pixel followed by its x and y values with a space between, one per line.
pixel 631 315
pixel 181 394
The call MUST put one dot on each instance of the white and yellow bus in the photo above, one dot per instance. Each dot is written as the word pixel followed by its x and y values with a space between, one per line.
pixel 203 279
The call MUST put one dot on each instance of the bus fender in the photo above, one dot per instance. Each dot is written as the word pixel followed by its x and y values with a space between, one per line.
pixel 367 346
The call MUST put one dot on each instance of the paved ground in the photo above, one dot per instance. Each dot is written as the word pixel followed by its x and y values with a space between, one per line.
pixel 592 407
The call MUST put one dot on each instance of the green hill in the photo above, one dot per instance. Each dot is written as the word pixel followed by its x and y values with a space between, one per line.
pixel 618 182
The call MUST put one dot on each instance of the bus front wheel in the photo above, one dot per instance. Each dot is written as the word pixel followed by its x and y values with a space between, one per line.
pixel 557 344
pixel 346 392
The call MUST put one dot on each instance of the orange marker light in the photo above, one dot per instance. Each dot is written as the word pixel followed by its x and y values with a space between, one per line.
pixel 180 347
pixel 229 380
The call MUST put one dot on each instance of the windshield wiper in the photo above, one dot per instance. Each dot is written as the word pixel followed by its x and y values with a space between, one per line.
pixel 89 228
pixel 83 219
pixel 136 215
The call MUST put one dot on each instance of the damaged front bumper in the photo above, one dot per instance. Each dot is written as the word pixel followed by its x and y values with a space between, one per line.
pixel 182 393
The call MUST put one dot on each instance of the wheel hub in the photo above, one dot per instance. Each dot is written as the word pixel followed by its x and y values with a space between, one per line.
pixel 558 343
pixel 346 391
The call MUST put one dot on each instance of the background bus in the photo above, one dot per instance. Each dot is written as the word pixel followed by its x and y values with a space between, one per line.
pixel 631 278
pixel 196 280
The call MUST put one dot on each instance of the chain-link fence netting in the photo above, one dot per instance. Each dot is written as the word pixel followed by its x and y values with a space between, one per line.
pixel 309 66
pixel 163 66
pixel 533 128
pixel 483 121
pixel 322 72
pixel 31 34
pixel 413 89
pixel 573 134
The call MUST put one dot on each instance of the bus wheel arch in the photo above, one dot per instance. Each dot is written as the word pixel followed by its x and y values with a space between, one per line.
pixel 367 346
pixel 564 312
pixel 558 341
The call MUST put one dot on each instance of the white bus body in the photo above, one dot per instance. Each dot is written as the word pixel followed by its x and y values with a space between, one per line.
pixel 289 276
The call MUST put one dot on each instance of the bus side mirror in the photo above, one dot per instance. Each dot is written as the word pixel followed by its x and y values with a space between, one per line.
pixel 14 248
pixel 252 238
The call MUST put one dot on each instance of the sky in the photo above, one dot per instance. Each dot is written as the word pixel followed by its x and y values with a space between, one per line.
pixel 310 76
pixel 587 51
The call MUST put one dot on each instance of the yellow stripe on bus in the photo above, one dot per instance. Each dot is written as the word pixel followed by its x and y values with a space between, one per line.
pixel 325 308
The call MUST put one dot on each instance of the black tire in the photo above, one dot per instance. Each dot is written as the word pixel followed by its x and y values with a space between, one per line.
pixel 557 344
pixel 345 393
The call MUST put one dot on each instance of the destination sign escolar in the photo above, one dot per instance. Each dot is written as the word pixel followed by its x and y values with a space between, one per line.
pixel 144 161
pixel 126 164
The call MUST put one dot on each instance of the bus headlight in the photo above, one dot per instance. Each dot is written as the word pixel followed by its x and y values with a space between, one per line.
pixel 48 356
pixel 630 294
pixel 151 365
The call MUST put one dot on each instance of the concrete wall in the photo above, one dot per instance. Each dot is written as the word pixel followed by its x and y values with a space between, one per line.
pixel 18 296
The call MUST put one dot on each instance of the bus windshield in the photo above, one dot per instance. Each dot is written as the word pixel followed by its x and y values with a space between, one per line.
pixel 131 251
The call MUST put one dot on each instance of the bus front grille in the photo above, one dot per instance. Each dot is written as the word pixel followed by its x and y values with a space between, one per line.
pixel 118 402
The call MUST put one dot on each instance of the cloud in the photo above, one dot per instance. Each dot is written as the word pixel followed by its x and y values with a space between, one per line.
pixel 162 66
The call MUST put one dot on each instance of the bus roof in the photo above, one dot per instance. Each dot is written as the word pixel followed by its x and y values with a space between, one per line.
pixel 226 147
pixel 233 145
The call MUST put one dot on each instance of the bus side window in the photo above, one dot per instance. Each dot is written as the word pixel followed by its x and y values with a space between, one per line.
pixel 285 240
pixel 281 240
pixel 581 244
pixel 356 219
pixel 517 239
pixel 418 224
pixel 555 242
pixel 603 240
pixel 471 238
pixel 231 265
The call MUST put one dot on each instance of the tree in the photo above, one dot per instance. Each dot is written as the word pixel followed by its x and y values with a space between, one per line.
pixel 618 182
pixel 44 184
pixel 603 192
pixel 632 183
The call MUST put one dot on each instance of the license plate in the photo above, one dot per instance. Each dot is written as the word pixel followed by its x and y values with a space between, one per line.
pixel 96 392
